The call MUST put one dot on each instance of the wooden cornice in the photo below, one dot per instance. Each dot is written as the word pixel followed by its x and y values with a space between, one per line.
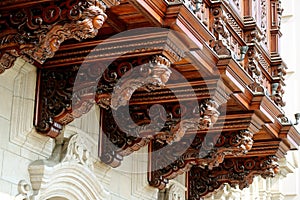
pixel 139 42
pixel 168 74
pixel 180 18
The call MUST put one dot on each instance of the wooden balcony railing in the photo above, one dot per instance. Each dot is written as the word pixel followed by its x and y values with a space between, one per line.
pixel 240 25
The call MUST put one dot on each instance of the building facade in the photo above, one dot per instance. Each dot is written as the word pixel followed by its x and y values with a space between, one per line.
pixel 143 99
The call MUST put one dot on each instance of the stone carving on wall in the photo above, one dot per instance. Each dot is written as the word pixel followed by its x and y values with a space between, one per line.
pixel 174 191
pixel 69 168
pixel 37 32
pixel 25 191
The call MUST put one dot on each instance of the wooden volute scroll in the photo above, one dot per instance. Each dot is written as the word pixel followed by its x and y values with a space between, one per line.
pixel 121 136
pixel 66 94
pixel 202 150
pixel 35 31
pixel 104 78
pixel 234 171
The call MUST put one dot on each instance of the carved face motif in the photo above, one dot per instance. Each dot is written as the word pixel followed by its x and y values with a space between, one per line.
pixel 165 76
pixel 54 44
pixel 98 21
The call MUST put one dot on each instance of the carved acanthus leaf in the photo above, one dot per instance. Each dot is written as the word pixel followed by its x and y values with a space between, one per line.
pixel 77 151
pixel 6 61
pixel 115 143
pixel 148 76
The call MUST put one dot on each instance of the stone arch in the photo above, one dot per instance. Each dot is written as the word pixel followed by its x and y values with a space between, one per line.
pixel 71 177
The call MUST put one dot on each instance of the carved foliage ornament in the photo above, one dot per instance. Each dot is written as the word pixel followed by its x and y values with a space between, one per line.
pixel 179 120
pixel 149 76
pixel 236 171
pixel 66 94
pixel 115 143
pixel 131 132
pixel 38 31
pixel 204 151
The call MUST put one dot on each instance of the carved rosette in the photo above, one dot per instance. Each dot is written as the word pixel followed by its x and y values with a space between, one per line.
pixel 38 31
pixel 149 76
pixel 204 151
pixel 236 171
pixel 221 44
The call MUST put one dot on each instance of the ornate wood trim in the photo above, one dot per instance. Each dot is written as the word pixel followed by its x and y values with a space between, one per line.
pixel 127 133
pixel 235 171
pixel 66 94
pixel 204 151
pixel 150 76
pixel 35 32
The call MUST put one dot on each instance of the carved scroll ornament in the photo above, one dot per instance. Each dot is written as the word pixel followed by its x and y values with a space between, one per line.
pixel 66 94
pixel 38 31
pixel 236 171
pixel 122 137
pixel 220 44
pixel 205 152
pixel 149 76
pixel 205 115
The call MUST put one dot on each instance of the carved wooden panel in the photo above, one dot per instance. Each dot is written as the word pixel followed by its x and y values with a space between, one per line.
pixel 201 150
pixel 128 129
pixel 198 100
pixel 68 93
pixel 36 31
pixel 235 171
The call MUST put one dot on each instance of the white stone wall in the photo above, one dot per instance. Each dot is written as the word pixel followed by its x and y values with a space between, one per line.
pixel 19 145
pixel 290 53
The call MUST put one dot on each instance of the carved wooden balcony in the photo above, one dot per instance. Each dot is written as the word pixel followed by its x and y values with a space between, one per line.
pixel 214 70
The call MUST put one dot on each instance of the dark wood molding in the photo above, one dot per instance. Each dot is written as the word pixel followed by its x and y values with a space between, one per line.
pixel 204 151
pixel 236 171
pixel 35 31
